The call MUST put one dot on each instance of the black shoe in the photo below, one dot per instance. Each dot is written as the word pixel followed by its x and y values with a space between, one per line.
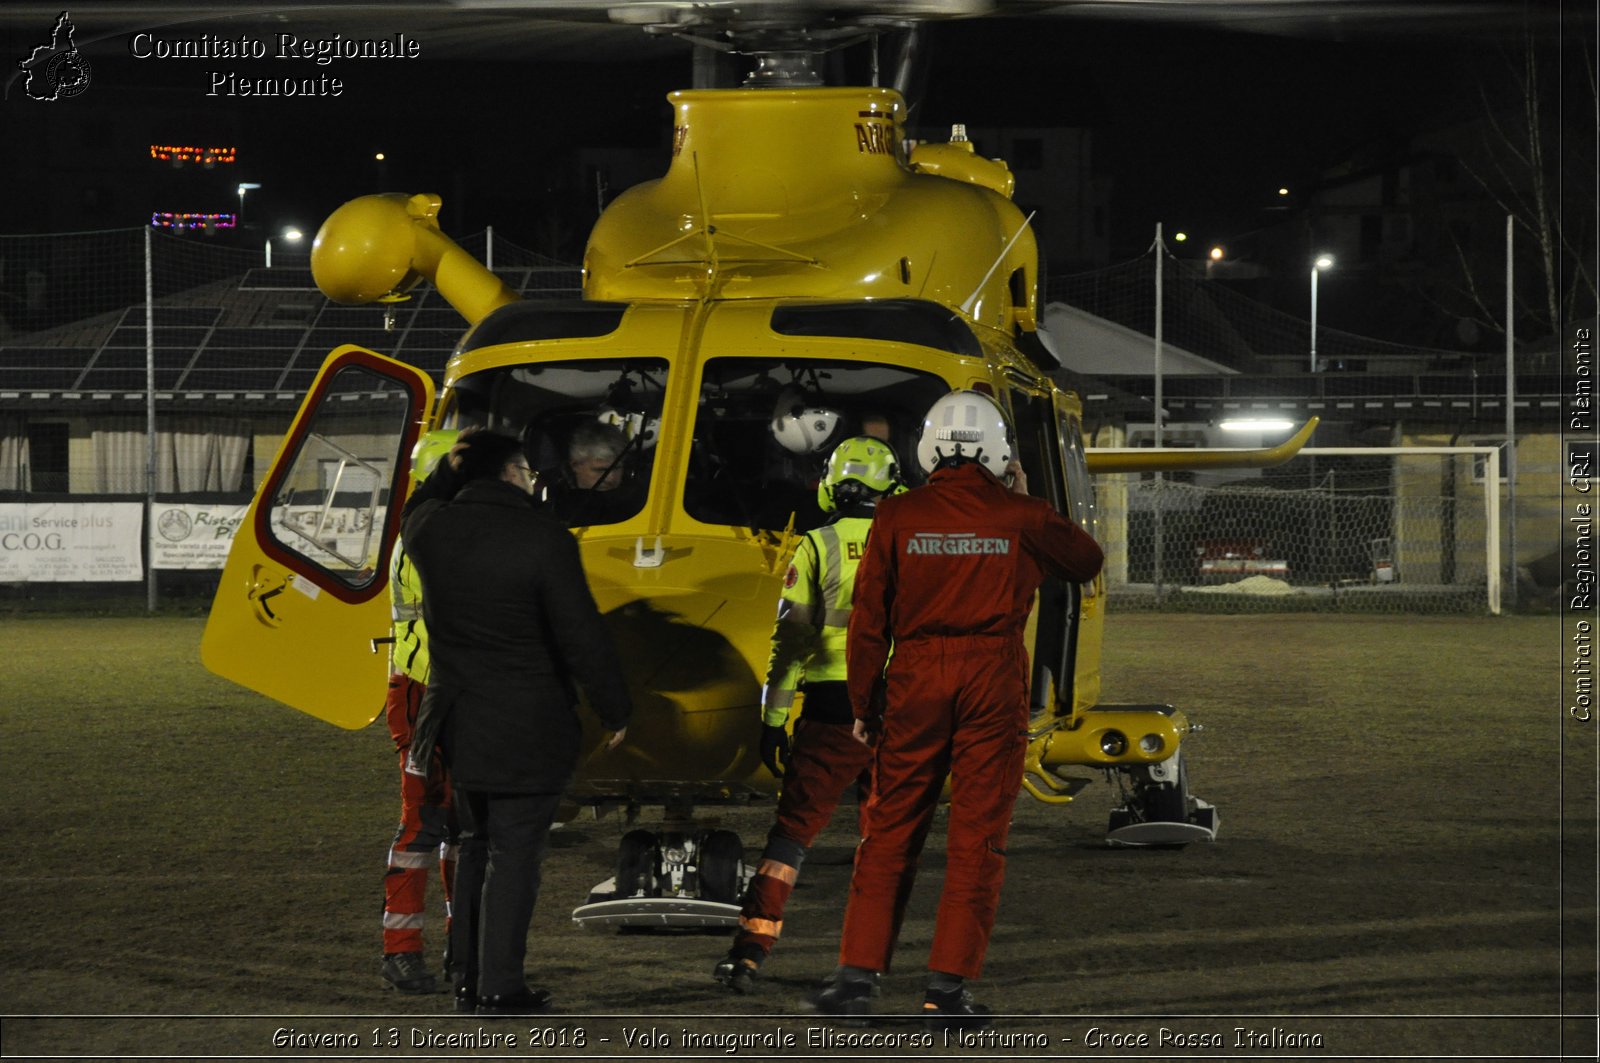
pixel 953 1009
pixel 523 1002
pixel 738 973
pixel 407 972
pixel 466 998
pixel 849 998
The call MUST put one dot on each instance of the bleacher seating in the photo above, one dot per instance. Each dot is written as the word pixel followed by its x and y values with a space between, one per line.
pixel 254 346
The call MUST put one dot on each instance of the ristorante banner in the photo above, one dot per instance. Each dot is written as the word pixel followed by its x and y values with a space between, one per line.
pixel 44 542
pixel 189 535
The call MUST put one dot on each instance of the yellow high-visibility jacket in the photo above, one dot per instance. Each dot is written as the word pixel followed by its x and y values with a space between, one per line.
pixel 808 638
pixel 409 652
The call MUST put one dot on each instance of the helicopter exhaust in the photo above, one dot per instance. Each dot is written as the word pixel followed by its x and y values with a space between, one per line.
pixel 377 248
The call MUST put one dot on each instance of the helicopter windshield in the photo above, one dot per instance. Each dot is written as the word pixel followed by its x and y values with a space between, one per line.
pixel 766 426
pixel 588 428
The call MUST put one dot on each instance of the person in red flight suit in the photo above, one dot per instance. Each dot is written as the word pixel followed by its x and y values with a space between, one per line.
pixel 426 837
pixel 808 656
pixel 947 583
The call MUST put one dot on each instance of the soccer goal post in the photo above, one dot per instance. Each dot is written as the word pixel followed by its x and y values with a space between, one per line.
pixel 1359 529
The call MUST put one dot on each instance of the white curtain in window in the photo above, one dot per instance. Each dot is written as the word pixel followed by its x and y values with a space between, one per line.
pixel 13 454
pixel 193 453
pixel 119 455
pixel 201 454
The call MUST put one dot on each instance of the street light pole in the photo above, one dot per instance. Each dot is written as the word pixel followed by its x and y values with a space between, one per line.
pixel 244 186
pixel 1322 262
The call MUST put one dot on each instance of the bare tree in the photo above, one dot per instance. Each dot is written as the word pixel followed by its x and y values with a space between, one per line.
pixel 1534 160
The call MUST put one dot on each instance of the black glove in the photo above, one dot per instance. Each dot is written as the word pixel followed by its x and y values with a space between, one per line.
pixel 775 749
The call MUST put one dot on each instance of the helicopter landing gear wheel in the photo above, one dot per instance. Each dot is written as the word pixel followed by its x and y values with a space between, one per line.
pixel 636 865
pixel 1167 801
pixel 721 867
pixel 1158 811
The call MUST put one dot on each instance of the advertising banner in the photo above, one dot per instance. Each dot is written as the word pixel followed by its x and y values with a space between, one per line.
pixel 194 535
pixel 45 542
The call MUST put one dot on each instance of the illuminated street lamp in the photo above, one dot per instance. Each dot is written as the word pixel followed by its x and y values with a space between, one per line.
pixel 1322 262
pixel 244 186
pixel 291 235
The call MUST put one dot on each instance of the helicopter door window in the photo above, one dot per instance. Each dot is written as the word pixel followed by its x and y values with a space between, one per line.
pixel 1037 447
pixel 589 429
pixel 328 506
pixel 1080 487
pixel 765 428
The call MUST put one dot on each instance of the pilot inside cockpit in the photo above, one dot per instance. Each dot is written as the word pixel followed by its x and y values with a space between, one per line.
pixel 600 481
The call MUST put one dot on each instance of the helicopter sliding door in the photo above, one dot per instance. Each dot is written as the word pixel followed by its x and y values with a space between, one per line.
pixel 1066 647
pixel 1090 598
pixel 1040 451
pixel 302 594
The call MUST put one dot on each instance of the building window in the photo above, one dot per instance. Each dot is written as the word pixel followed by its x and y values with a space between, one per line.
pixel 47 457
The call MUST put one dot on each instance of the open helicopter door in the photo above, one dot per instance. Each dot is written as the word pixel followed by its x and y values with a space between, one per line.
pixel 302 597
pixel 1045 459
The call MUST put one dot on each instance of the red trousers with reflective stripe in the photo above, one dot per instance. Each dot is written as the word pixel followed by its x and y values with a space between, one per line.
pixel 426 836
pixel 955 706
pixel 824 760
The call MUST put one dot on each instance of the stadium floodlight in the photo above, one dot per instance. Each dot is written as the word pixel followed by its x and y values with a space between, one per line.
pixel 1256 424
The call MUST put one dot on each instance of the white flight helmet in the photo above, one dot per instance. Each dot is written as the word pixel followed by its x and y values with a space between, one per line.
pixel 802 427
pixel 967 425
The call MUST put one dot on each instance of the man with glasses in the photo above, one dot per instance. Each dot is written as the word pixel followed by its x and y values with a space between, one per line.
pixel 512 626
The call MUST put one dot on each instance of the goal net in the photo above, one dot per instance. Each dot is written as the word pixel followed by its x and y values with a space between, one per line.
pixel 1379 529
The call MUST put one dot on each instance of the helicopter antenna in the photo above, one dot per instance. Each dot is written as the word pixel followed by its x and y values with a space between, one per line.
pixel 971 300
pixel 706 227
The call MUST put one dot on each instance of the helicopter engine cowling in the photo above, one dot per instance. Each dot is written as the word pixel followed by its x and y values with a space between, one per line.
pixel 808 193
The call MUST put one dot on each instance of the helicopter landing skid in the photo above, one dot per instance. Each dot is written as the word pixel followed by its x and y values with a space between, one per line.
pixel 654 912
pixel 1201 826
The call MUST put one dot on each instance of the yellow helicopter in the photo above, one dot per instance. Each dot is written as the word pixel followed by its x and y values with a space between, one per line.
pixel 799 273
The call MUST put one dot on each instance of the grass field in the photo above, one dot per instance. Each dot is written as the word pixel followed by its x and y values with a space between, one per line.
pixel 1405 868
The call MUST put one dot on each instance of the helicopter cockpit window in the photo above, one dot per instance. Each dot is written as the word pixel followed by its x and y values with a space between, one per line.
pixel 766 426
pixel 589 429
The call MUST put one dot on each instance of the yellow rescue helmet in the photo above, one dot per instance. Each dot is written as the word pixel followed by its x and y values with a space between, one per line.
pixel 861 469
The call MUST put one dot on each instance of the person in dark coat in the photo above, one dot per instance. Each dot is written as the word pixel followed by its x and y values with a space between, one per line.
pixel 513 630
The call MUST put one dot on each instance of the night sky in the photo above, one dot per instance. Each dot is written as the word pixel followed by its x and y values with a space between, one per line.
pixel 1196 126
